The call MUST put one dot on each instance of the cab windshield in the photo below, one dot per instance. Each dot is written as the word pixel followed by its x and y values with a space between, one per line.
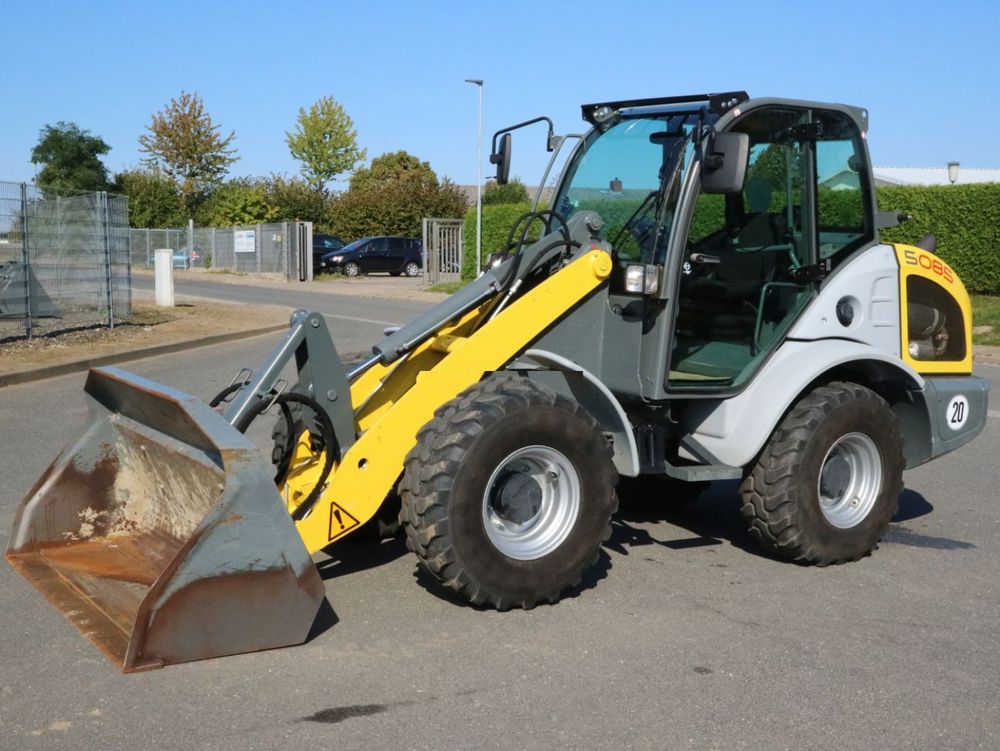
pixel 631 175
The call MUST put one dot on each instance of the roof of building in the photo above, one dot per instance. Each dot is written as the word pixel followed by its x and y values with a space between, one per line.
pixel 934 175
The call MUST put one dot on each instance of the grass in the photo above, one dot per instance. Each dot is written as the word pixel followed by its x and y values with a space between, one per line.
pixel 449 288
pixel 225 271
pixel 986 312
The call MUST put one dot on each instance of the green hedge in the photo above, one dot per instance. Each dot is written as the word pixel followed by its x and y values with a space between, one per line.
pixel 965 218
pixel 497 221
pixel 966 221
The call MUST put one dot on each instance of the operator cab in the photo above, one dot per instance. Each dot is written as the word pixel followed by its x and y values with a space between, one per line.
pixel 720 276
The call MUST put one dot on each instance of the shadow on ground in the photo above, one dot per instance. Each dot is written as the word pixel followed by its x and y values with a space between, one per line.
pixel 353 555
pixel 712 518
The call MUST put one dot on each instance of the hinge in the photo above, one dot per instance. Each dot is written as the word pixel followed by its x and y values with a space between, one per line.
pixel 815 273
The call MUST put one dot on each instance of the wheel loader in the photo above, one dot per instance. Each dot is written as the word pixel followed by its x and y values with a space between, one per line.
pixel 706 298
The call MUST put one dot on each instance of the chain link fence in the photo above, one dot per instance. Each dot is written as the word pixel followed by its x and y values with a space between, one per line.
pixel 64 260
pixel 283 248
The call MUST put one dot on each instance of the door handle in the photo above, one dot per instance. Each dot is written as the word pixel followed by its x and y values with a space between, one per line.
pixel 704 258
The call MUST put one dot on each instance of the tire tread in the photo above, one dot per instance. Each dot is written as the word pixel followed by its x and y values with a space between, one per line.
pixel 430 468
pixel 768 499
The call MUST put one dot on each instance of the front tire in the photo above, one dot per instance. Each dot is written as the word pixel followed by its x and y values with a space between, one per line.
pixel 352 269
pixel 509 493
pixel 828 481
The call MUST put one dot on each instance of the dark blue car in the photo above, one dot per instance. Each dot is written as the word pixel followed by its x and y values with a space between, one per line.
pixel 395 255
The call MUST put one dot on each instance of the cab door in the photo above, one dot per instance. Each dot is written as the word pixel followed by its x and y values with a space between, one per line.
pixel 741 288
pixel 754 259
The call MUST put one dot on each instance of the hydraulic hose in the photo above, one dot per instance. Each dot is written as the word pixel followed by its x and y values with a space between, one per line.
pixel 323 425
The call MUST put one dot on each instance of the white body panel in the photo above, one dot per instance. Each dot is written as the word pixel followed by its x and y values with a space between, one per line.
pixel 872 280
pixel 732 431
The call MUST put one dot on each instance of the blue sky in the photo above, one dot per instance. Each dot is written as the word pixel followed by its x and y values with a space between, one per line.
pixel 929 72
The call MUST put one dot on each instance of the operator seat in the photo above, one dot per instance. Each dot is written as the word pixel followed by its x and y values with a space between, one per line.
pixel 758 229
pixel 726 300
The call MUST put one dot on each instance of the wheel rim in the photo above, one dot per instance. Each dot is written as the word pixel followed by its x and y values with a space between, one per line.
pixel 412 269
pixel 531 502
pixel 351 269
pixel 850 480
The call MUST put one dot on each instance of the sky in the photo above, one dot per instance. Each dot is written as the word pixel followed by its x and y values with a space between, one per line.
pixel 928 72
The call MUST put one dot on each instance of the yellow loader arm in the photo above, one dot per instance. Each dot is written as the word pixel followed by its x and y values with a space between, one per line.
pixel 393 402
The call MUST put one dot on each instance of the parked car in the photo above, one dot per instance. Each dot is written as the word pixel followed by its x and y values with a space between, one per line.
pixel 185 260
pixel 396 255
pixel 323 244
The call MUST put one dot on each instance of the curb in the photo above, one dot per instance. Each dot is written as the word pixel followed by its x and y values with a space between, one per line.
pixel 985 354
pixel 76 366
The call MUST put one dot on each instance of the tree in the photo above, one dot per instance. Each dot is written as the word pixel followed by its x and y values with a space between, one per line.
pixel 153 199
pixel 186 145
pixel 513 192
pixel 391 169
pixel 70 157
pixel 325 141
pixel 238 202
pixel 294 199
pixel 773 164
pixel 391 197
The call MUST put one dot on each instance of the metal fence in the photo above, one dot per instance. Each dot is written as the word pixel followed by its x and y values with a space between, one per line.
pixel 443 250
pixel 281 248
pixel 64 260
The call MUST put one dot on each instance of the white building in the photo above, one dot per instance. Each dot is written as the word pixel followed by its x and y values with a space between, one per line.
pixel 934 175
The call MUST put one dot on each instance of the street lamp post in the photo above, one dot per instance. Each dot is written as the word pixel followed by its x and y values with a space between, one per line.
pixel 479 176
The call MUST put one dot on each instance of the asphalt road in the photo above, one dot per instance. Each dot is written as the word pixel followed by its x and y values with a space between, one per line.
pixel 684 636
pixel 355 322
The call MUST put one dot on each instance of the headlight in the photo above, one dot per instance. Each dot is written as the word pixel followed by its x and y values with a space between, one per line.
pixel 642 279
pixel 336 259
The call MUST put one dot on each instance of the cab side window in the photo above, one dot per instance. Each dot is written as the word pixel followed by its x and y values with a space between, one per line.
pixel 767 214
pixel 843 214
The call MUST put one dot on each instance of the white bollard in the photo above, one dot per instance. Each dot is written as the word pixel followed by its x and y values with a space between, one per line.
pixel 163 264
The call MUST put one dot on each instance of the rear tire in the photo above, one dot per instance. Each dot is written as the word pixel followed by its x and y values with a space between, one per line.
pixel 509 493
pixel 412 269
pixel 828 481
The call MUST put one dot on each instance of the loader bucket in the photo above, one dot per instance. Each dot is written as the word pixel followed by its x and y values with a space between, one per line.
pixel 159 533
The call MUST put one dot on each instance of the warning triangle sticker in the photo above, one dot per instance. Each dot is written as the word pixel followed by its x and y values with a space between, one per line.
pixel 341 522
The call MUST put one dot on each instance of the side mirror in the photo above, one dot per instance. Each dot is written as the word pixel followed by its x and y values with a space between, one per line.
pixel 501 158
pixel 725 163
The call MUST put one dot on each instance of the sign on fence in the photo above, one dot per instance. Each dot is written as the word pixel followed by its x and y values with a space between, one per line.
pixel 244 241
